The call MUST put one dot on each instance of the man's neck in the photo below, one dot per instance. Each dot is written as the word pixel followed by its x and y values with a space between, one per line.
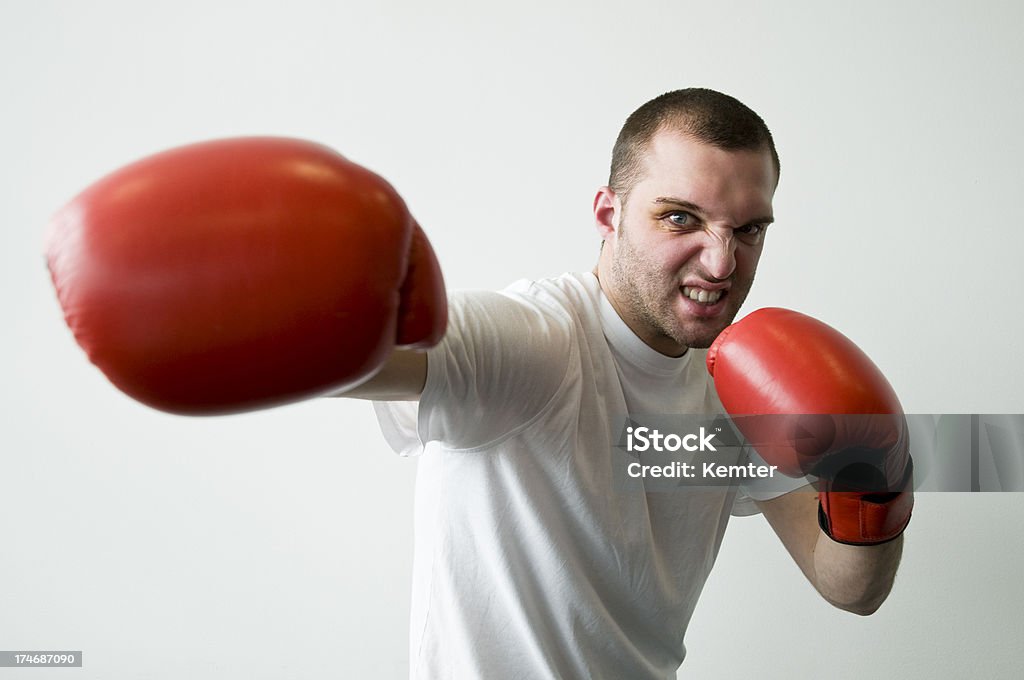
pixel 659 343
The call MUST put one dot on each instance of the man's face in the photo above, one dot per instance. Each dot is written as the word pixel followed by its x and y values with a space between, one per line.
pixel 685 244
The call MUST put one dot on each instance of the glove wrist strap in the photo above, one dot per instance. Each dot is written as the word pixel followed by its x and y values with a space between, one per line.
pixel 859 518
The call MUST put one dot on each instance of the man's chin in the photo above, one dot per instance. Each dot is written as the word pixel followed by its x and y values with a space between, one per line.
pixel 701 342
pixel 703 334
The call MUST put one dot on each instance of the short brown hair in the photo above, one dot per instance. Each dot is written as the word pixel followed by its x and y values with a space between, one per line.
pixel 709 116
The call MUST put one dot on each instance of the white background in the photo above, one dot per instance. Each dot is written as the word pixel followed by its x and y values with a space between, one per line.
pixel 278 544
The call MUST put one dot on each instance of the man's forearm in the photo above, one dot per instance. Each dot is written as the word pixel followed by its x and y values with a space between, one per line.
pixel 856 578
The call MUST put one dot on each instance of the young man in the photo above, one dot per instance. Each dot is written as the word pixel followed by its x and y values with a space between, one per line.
pixel 531 559
pixel 240 274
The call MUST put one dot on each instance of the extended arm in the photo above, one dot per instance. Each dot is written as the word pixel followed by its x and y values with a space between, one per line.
pixel 401 378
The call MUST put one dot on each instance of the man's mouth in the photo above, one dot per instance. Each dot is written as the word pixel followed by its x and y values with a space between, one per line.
pixel 702 296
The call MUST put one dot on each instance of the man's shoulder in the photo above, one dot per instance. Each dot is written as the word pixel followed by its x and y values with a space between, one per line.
pixel 533 316
pixel 527 307
pixel 572 292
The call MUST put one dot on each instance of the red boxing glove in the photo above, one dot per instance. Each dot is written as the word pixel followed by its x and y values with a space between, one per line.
pixel 243 273
pixel 812 402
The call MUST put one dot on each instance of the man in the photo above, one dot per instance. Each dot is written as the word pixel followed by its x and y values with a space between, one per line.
pixel 530 561
pixel 245 273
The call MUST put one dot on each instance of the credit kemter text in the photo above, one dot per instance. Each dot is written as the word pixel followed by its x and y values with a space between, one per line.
pixel 707 470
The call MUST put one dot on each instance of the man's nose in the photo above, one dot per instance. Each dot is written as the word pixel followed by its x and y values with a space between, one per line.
pixel 719 254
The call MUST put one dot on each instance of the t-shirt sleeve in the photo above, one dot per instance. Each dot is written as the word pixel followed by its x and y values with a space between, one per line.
pixel 502 360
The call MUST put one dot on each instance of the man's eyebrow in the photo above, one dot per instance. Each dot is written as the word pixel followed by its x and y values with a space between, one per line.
pixel 680 202
pixel 687 205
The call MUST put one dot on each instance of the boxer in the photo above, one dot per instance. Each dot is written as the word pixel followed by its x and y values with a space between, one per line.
pixel 241 274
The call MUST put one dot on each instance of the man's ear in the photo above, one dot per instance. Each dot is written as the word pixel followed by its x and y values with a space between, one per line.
pixel 607 212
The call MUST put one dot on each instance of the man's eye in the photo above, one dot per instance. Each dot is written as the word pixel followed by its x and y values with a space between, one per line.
pixel 753 229
pixel 751 234
pixel 681 219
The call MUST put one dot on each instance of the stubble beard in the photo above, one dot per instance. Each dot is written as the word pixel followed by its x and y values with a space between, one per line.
pixel 653 301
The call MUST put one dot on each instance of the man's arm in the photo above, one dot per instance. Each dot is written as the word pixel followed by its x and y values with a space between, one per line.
pixel 855 578
pixel 811 387
pixel 402 378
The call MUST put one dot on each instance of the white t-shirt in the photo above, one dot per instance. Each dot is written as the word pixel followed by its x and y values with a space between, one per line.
pixel 536 555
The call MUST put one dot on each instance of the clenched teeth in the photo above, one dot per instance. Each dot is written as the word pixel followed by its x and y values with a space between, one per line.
pixel 707 297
